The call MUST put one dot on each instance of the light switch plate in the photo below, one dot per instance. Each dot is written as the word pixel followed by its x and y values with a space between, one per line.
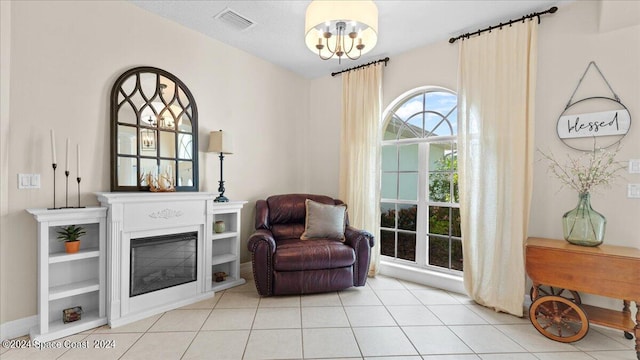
pixel 28 181
pixel 634 166
pixel 633 191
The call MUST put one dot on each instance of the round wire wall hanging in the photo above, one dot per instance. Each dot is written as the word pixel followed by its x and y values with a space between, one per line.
pixel 594 122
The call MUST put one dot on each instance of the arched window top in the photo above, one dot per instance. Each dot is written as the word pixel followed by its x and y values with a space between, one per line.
pixel 422 113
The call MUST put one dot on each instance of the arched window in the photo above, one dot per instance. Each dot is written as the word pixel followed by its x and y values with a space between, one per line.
pixel 420 213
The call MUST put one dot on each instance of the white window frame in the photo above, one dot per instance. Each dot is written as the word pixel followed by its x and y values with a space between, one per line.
pixel 423 202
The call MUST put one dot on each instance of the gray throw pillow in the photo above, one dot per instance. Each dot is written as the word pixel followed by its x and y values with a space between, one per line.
pixel 324 221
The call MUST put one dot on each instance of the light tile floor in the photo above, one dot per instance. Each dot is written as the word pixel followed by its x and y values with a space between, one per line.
pixel 387 319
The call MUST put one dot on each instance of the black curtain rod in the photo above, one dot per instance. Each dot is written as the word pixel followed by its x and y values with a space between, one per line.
pixel 385 61
pixel 530 16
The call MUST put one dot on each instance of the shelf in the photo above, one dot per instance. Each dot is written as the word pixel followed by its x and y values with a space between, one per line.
pixel 77 288
pixel 58 329
pixel 224 235
pixel 82 254
pixel 610 318
pixel 224 258
pixel 229 282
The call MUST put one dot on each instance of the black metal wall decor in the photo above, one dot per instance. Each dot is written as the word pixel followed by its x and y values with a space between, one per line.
pixel 154 132
pixel 595 122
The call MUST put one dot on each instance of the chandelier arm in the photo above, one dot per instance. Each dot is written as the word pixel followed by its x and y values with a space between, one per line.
pixel 325 58
pixel 349 52
pixel 332 52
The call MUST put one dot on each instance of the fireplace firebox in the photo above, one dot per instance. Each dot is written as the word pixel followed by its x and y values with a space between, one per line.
pixel 160 262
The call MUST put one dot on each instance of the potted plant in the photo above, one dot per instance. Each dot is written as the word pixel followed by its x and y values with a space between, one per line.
pixel 71 236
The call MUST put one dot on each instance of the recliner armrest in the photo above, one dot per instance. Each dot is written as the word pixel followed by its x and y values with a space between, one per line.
pixel 361 241
pixel 260 236
pixel 353 236
pixel 262 246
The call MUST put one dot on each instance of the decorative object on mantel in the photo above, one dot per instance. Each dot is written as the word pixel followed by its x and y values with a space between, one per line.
pixel 154 125
pixel 54 164
pixel 341 28
pixel 66 172
pixel 159 183
pixel 71 235
pixel 220 142
pixel 583 225
pixel 585 118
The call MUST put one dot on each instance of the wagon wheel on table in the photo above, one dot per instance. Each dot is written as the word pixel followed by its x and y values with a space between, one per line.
pixel 558 318
pixel 544 290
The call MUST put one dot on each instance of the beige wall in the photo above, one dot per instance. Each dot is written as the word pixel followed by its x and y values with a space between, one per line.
pixel 65 56
pixel 567 42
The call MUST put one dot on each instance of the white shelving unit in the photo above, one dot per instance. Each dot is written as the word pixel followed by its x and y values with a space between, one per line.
pixel 223 249
pixel 69 280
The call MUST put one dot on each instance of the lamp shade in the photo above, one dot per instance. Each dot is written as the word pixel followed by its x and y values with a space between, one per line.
pixel 220 142
pixel 359 15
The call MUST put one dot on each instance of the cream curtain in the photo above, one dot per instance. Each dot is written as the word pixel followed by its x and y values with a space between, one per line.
pixel 360 151
pixel 496 90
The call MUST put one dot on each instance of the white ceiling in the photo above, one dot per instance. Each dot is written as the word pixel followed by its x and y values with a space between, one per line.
pixel 278 33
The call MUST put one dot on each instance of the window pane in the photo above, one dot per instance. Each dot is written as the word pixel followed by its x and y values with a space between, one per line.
pixel 416 124
pixel 167 144
pixel 439 251
pixel 408 155
pixel 388 215
pixel 406 246
pixel 440 101
pixel 456 254
pixel 407 217
pixel 410 107
pixel 148 166
pixel 440 187
pixel 185 173
pixel 391 131
pixel 434 125
pixel 389 158
pixel 408 186
pixel 127 140
pixel 127 173
pixel 389 186
pixel 441 157
pixel 388 243
pixel 185 146
pixel 439 220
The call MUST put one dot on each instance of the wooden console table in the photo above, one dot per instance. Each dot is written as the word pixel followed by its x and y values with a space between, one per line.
pixel 606 270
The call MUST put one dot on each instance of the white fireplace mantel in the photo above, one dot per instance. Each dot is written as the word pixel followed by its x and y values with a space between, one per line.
pixel 139 214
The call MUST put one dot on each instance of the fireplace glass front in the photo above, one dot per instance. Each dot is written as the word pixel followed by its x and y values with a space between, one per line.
pixel 160 262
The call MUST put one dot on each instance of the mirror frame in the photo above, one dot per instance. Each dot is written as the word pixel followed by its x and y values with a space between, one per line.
pixel 117 91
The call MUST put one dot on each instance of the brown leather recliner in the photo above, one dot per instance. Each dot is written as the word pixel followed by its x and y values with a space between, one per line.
pixel 283 264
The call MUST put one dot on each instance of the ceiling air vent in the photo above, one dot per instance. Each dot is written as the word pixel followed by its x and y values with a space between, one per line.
pixel 234 20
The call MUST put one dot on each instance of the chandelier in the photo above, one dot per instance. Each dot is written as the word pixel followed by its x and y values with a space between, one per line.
pixel 337 28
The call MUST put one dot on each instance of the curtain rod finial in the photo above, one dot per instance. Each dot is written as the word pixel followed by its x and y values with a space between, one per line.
pixel 553 9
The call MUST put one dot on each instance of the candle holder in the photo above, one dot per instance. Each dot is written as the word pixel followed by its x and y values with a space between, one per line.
pixel 66 195
pixel 54 166
pixel 79 179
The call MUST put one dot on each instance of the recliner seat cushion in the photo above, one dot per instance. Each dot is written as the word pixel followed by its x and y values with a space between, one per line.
pixel 299 255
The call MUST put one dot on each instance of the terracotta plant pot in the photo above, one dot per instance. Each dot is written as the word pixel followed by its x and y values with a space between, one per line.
pixel 72 246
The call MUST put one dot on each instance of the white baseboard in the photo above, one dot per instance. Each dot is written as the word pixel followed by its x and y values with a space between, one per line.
pixel 17 328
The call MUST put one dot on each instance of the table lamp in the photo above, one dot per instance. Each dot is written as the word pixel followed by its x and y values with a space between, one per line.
pixel 220 142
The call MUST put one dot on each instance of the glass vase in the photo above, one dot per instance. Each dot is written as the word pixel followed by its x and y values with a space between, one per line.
pixel 583 225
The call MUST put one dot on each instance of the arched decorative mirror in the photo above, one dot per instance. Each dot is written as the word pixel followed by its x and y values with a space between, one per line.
pixel 154 133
